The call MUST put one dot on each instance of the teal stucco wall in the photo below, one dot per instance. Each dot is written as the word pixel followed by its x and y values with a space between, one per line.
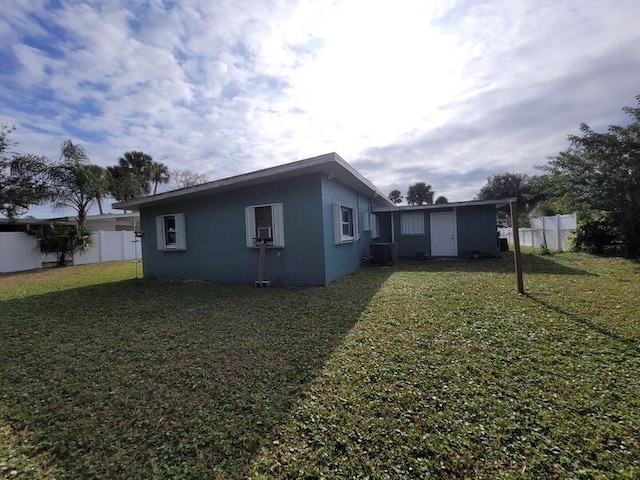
pixel 477 229
pixel 475 225
pixel 345 258
pixel 216 241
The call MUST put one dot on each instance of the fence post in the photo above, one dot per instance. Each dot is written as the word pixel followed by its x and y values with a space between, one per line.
pixel 101 246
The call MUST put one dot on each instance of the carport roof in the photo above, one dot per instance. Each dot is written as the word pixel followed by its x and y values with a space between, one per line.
pixel 404 208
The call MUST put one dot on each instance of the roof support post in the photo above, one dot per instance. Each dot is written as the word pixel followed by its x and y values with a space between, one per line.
pixel 513 205
pixel 393 233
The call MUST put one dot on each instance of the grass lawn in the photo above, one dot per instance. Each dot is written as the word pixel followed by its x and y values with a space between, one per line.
pixel 425 369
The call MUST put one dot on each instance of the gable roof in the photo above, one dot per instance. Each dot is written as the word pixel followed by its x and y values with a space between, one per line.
pixel 331 164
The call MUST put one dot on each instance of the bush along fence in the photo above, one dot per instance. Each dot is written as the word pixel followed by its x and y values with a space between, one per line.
pixel 20 251
pixel 552 232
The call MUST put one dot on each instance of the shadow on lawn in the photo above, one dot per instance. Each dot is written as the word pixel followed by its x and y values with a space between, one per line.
pixel 589 324
pixel 531 263
pixel 165 380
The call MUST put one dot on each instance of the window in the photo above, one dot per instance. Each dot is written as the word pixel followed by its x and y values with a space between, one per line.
pixel 170 232
pixel 265 223
pixel 412 223
pixel 345 224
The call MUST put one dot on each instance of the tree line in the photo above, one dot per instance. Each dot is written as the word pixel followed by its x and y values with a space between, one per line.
pixel 419 193
pixel 73 181
pixel 597 176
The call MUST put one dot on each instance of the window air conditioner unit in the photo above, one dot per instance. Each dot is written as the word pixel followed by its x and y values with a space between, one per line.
pixel 264 234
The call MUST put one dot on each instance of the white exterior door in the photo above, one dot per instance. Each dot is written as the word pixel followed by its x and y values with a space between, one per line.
pixel 444 235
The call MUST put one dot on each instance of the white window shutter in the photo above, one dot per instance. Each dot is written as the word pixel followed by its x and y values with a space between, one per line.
pixel 181 234
pixel 337 224
pixel 250 224
pixel 366 222
pixel 277 216
pixel 356 227
pixel 160 233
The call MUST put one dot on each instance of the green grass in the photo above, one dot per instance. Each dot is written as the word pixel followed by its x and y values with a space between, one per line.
pixel 426 369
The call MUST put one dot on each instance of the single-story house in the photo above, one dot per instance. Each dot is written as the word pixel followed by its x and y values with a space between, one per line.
pixel 460 229
pixel 303 223
pixel 107 222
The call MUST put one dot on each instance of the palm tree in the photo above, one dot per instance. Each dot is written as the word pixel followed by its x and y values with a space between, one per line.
pixel 75 182
pixel 395 196
pixel 159 173
pixel 101 180
pixel 419 193
pixel 62 240
pixel 122 185
pixel 138 164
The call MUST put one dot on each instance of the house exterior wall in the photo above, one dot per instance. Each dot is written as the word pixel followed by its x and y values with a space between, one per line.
pixel 345 258
pixel 215 229
pixel 477 229
pixel 409 245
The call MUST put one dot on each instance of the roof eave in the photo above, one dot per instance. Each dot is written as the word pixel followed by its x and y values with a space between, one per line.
pixel 300 167
pixel 498 203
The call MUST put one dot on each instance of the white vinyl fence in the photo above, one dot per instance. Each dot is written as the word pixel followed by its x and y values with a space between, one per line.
pixel 554 232
pixel 19 251
pixel 110 246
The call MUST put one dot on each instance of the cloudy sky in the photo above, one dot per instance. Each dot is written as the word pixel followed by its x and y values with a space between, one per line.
pixel 443 91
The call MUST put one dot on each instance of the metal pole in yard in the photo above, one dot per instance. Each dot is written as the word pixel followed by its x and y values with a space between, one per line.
pixel 516 245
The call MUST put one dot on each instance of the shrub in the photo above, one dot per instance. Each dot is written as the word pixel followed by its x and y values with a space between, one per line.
pixel 62 241
pixel 598 237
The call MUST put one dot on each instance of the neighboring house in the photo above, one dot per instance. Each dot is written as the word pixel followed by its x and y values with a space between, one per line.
pixel 317 219
pixel 108 222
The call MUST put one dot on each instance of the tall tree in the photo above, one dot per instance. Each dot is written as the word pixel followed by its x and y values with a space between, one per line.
pixel 187 178
pixel 159 173
pixel 600 173
pixel 507 185
pixel 76 183
pixel 122 185
pixel 395 196
pixel 138 165
pixel 100 178
pixel 23 178
pixel 441 200
pixel 420 193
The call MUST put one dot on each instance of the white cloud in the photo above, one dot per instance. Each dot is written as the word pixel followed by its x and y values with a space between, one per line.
pixel 444 92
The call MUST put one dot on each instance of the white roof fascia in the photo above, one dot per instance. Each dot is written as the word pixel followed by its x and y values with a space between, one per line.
pixel 471 203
